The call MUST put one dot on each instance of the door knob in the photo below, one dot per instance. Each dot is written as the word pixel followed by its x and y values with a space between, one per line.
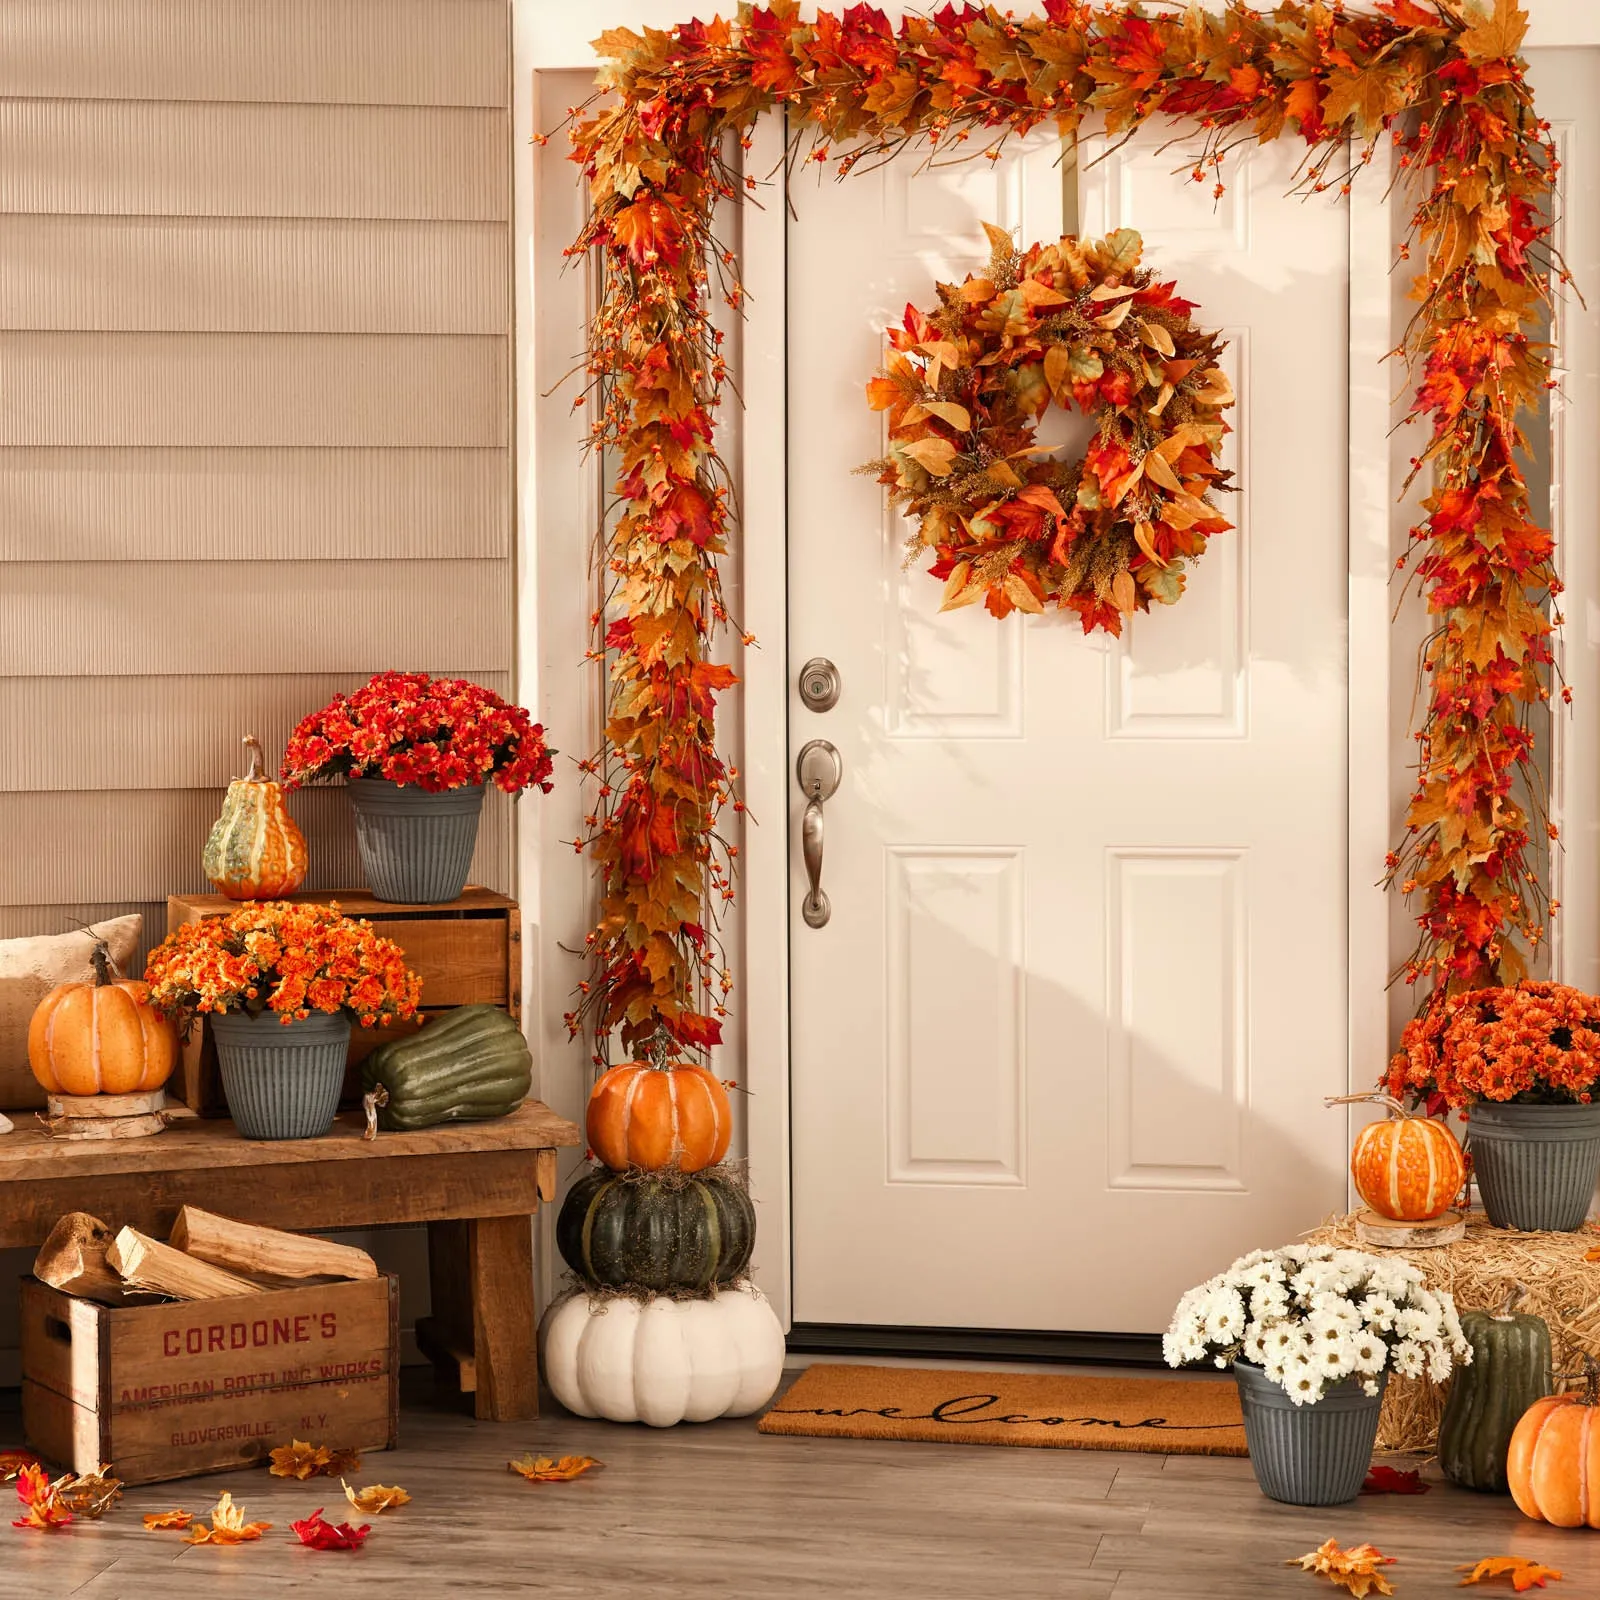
pixel 819 684
pixel 819 770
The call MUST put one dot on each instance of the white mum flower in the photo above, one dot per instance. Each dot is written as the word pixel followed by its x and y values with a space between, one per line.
pixel 1268 1302
pixel 1334 1359
pixel 1407 1359
pixel 1379 1311
pixel 1368 1352
pixel 1302 1381
pixel 1411 1323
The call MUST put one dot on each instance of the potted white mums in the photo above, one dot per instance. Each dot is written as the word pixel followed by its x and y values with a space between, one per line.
pixel 1312 1334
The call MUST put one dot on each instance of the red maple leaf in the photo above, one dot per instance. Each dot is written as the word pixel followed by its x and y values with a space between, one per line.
pixel 320 1535
pixel 1391 1480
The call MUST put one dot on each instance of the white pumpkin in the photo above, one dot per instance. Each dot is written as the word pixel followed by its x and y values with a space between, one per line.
pixel 662 1361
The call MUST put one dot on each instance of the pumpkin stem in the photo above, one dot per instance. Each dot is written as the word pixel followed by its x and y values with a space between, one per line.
pixel 1591 1378
pixel 1513 1295
pixel 1394 1106
pixel 100 960
pixel 257 769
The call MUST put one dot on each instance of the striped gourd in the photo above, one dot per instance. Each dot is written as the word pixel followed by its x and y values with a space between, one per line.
pixel 1406 1168
pixel 255 851
pixel 656 1233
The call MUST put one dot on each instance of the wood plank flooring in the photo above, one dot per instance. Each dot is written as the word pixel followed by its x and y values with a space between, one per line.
pixel 721 1510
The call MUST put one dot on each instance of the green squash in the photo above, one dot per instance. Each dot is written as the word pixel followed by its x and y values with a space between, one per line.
pixel 1511 1368
pixel 465 1066
pixel 657 1232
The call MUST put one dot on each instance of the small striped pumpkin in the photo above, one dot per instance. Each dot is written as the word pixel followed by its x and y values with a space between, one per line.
pixel 1406 1168
pixel 102 1037
pixel 652 1117
pixel 255 851
pixel 656 1233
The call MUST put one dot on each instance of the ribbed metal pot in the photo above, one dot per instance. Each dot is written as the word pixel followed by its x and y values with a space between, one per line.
pixel 1313 1455
pixel 281 1081
pixel 415 847
pixel 1536 1166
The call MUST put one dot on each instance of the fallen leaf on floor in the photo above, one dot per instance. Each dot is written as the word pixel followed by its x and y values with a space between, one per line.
pixel 297 1459
pixel 90 1494
pixel 1355 1569
pixel 13 1461
pixel 1523 1573
pixel 41 1505
pixel 546 1469
pixel 154 1521
pixel 375 1498
pixel 227 1525
pixel 1391 1480
pixel 320 1535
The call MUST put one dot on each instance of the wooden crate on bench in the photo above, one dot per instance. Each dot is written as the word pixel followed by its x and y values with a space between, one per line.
pixel 172 1390
pixel 467 952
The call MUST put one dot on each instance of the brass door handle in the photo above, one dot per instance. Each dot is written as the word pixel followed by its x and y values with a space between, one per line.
pixel 819 770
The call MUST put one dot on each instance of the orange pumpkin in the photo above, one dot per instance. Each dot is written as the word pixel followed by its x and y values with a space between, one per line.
pixel 652 1117
pixel 1553 1464
pixel 102 1037
pixel 255 850
pixel 1409 1169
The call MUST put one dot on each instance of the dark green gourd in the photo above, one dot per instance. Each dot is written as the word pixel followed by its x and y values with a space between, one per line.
pixel 657 1232
pixel 1511 1368
pixel 466 1065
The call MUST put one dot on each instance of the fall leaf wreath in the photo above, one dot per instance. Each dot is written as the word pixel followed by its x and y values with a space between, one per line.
pixel 1082 325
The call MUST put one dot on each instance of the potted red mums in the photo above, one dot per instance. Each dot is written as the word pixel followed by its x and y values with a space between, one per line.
pixel 416 753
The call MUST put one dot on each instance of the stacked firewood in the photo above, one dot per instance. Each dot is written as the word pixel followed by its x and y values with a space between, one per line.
pixel 206 1257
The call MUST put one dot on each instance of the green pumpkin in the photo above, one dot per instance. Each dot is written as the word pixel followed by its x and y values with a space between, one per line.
pixel 467 1065
pixel 1511 1368
pixel 658 1232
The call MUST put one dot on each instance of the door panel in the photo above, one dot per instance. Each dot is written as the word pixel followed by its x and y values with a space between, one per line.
pixel 1061 1048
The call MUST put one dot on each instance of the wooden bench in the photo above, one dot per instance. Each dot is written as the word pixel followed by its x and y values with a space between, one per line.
pixel 476 1185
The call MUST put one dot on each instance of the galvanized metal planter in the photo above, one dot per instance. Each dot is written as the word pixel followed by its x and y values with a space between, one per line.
pixel 281 1081
pixel 1312 1455
pixel 1536 1166
pixel 416 847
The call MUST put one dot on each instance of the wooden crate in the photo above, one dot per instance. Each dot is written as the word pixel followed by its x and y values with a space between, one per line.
pixel 172 1390
pixel 467 952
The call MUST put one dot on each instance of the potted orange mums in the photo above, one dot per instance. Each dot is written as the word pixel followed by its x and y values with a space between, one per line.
pixel 416 754
pixel 1524 1062
pixel 281 984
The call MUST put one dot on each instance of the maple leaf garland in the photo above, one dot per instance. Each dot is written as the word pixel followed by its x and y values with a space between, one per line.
pixel 658 157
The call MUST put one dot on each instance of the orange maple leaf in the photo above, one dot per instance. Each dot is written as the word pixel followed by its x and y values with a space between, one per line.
pixel 1523 1573
pixel 375 1497
pixel 227 1525
pixel 301 1460
pixel 546 1469
pixel 156 1520
pixel 1355 1569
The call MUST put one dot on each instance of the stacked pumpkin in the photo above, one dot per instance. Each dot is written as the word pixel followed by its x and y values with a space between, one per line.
pixel 664 1326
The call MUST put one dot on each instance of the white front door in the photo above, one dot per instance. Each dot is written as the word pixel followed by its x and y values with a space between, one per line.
pixel 1061 1049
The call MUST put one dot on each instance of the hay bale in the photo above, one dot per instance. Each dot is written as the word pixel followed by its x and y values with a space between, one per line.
pixel 1478 1271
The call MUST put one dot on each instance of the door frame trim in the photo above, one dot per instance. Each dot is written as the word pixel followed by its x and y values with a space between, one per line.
pixel 1372 519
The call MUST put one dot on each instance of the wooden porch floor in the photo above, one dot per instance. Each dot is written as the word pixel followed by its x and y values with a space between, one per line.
pixel 722 1510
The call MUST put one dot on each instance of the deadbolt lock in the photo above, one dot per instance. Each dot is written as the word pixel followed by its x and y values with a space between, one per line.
pixel 819 684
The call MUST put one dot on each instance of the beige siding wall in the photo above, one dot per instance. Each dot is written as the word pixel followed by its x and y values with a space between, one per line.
pixel 254 410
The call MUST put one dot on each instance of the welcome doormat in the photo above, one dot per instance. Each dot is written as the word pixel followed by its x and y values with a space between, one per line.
pixel 1162 1416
